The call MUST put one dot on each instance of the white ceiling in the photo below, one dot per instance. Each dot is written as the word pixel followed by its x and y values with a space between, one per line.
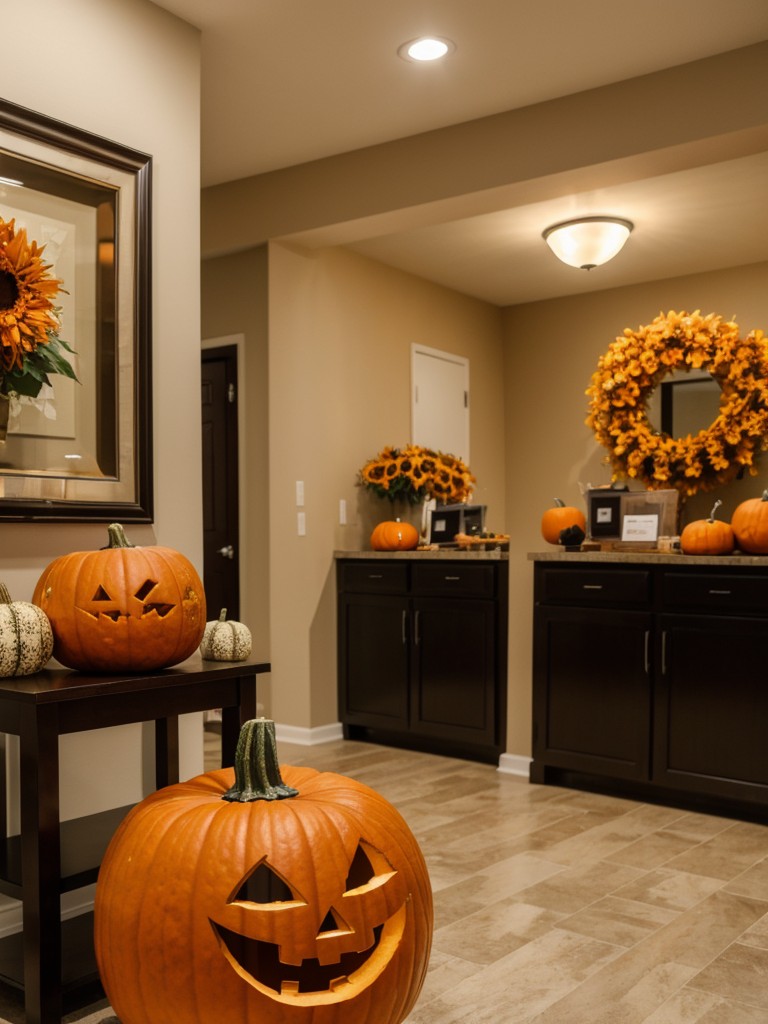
pixel 288 81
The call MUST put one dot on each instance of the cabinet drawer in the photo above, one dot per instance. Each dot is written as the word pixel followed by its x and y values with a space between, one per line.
pixel 376 577
pixel 715 592
pixel 443 578
pixel 595 586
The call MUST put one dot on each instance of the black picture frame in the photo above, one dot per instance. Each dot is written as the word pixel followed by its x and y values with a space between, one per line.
pixel 96 195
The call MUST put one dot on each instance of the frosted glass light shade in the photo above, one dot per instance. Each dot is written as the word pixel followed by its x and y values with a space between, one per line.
pixel 588 242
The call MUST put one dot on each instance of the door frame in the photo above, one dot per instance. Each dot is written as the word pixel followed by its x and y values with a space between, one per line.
pixel 238 342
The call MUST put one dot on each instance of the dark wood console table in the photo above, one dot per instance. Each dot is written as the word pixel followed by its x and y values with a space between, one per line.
pixel 50 857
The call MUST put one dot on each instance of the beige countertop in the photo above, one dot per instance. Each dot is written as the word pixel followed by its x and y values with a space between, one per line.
pixel 494 555
pixel 649 558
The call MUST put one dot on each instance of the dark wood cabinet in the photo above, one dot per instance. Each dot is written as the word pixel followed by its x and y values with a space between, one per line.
pixel 653 674
pixel 422 653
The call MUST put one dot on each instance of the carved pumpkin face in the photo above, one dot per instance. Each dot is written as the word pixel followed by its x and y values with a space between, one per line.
pixel 312 910
pixel 122 608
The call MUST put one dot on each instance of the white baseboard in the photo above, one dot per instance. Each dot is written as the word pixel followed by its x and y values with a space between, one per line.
pixel 73 904
pixel 514 764
pixel 308 737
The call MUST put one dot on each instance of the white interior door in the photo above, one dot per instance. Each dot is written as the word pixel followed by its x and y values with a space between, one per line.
pixel 440 401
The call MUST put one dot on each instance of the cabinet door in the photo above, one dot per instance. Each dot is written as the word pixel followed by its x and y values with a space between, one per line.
pixel 454 670
pixel 592 692
pixel 711 706
pixel 373 660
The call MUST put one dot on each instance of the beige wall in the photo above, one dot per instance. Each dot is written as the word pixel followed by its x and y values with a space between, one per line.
pixel 130 72
pixel 234 306
pixel 551 351
pixel 341 327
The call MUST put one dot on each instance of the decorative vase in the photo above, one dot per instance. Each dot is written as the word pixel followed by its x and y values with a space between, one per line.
pixel 374 509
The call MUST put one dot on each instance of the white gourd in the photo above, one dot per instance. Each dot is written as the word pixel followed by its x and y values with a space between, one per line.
pixel 26 637
pixel 225 640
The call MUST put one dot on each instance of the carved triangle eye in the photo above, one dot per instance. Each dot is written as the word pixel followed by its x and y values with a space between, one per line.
pixel 101 595
pixel 146 589
pixel 263 886
pixel 367 865
pixel 161 607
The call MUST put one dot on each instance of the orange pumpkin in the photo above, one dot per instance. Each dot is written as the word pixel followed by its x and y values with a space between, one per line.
pixel 707 536
pixel 122 608
pixel 750 525
pixel 290 897
pixel 560 518
pixel 393 535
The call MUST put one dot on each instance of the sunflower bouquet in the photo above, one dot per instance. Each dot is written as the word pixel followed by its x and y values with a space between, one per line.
pixel 30 346
pixel 415 474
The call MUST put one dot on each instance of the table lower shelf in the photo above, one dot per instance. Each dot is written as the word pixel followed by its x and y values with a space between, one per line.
pixel 79 974
pixel 83 844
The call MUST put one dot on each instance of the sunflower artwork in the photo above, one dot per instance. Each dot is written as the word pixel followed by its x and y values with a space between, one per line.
pixel 415 474
pixel 30 347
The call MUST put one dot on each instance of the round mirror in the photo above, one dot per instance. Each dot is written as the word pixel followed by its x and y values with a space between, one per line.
pixel 684 403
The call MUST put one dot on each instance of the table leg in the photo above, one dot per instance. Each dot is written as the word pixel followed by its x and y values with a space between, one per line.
pixel 166 751
pixel 41 859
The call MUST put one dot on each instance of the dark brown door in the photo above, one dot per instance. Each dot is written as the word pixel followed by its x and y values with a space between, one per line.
pixel 220 481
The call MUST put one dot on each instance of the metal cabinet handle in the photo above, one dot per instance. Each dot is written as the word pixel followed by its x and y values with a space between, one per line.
pixel 664 652
pixel 726 592
pixel 416 637
pixel 647 651
pixel 375 575
pixel 453 577
pixel 592 586
pixel 404 627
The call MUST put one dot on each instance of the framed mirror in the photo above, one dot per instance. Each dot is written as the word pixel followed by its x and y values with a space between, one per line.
pixel 75 220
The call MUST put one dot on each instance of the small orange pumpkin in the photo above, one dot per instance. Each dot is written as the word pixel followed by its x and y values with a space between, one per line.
pixel 393 535
pixel 708 536
pixel 122 608
pixel 750 525
pixel 560 518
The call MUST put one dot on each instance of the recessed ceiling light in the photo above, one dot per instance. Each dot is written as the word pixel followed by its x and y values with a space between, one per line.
pixel 426 48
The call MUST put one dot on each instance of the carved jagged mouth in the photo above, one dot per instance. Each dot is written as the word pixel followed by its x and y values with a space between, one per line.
pixel 310 982
pixel 161 609
pixel 261 960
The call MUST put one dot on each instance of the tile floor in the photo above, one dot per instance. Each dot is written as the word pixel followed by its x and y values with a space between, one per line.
pixel 556 906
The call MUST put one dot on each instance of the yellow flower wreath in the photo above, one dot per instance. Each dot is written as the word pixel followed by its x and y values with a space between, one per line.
pixel 635 364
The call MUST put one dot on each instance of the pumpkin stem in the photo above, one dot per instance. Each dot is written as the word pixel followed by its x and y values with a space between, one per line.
pixel 117 538
pixel 715 507
pixel 223 615
pixel 559 503
pixel 257 773
pixel 5 597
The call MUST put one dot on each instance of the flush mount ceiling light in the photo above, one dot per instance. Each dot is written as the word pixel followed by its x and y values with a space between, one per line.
pixel 426 48
pixel 588 242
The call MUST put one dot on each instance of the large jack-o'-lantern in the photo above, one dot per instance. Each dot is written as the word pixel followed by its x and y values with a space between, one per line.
pixel 293 898
pixel 122 608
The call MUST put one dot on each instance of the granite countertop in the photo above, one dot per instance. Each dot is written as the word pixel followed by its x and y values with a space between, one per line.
pixel 494 555
pixel 648 558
